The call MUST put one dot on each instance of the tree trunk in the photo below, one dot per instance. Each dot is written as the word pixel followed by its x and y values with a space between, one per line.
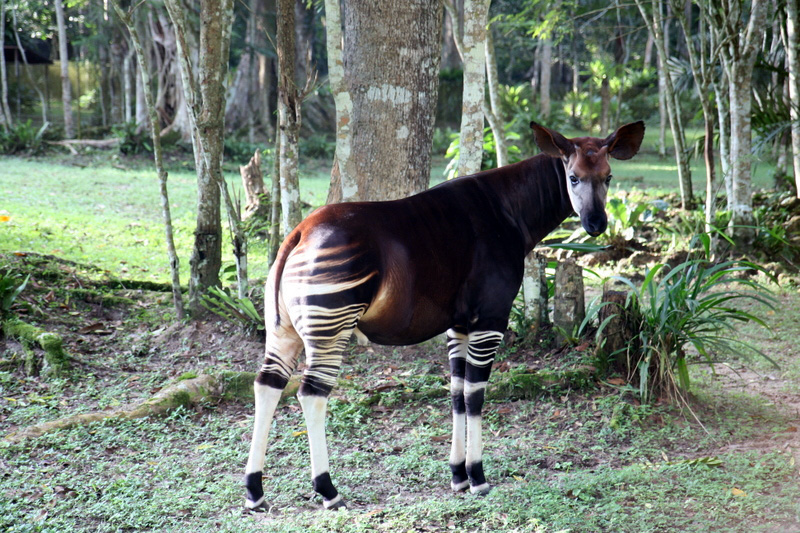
pixel 128 85
pixel 546 51
pixel 495 115
pixel 473 52
pixel 605 105
pixel 793 53
pixel 654 24
pixel 66 86
pixel 534 292
pixel 344 183
pixel 256 202
pixel 155 130
pixel 24 57
pixel 5 111
pixel 386 101
pixel 738 58
pixel 204 92
pixel 569 309
pixel 289 116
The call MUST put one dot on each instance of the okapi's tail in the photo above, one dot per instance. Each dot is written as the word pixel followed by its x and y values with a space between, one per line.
pixel 280 262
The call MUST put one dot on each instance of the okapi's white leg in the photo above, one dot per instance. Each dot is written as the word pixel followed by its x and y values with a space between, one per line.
pixel 283 346
pixel 457 354
pixel 326 333
pixel 480 355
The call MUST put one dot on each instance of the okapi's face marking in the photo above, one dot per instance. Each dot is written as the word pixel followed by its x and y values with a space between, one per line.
pixel 588 173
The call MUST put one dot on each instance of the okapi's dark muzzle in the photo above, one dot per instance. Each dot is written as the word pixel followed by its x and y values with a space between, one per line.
pixel 595 224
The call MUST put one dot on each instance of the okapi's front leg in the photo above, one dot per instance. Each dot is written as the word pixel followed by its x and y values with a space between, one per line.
pixel 480 356
pixel 457 343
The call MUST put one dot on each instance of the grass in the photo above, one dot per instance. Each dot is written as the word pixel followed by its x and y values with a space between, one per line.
pixel 587 459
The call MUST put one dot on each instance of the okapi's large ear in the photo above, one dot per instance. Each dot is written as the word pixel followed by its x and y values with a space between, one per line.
pixel 625 142
pixel 551 142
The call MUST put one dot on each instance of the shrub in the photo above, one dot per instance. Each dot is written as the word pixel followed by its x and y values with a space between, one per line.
pixel 688 306
pixel 132 139
pixel 21 137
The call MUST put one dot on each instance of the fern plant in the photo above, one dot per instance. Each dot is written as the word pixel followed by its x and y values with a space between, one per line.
pixel 233 308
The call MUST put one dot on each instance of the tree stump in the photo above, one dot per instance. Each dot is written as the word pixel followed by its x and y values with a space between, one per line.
pixel 534 292
pixel 568 303
pixel 614 340
pixel 255 194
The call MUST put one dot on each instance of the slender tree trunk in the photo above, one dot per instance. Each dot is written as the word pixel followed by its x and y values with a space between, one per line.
pixel 23 55
pixel 128 84
pixel 738 58
pixel 289 116
pixel 471 139
pixel 494 115
pixel 155 129
pixel 545 76
pixel 605 105
pixel 206 108
pixel 654 23
pixel 5 111
pixel 66 86
pixel 793 53
pixel 344 183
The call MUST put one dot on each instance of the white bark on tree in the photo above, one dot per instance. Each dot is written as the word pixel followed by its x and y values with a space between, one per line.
pixel 739 51
pixel 474 55
pixel 793 56
pixel 344 173
pixel 128 85
pixel 63 56
pixel 289 118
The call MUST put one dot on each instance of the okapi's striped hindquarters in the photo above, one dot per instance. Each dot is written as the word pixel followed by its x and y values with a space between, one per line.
pixel 448 259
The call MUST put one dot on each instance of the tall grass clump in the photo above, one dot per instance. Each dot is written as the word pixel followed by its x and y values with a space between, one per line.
pixel 688 313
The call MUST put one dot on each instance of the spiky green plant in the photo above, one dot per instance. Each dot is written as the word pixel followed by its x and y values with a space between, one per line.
pixel 689 308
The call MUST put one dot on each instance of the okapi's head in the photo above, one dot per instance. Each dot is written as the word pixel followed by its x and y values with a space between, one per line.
pixel 588 173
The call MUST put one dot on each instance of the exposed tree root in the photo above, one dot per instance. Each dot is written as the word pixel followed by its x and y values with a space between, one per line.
pixel 183 392
pixel 191 390
pixel 31 336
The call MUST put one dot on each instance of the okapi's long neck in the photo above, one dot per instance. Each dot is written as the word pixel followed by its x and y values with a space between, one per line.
pixel 537 198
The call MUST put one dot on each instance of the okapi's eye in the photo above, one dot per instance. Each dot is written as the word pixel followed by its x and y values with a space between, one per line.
pixel 574 180
pixel 608 179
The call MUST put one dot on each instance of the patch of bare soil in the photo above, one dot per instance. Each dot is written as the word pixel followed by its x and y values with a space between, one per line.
pixel 776 389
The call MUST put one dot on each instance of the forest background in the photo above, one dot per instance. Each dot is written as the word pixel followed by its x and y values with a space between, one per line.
pixel 110 203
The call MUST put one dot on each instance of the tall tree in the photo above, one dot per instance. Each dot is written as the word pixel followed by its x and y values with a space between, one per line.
pixel 740 34
pixel 385 90
pixel 127 18
pixel 204 92
pixel 793 55
pixel 474 58
pixel 654 20
pixel 63 56
pixel 5 111
pixel 702 58
pixel 289 101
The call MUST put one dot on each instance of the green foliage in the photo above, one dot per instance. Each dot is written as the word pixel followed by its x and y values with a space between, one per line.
pixel 233 308
pixel 21 137
pixel 317 146
pixel 10 288
pixel 690 306
pixel 132 139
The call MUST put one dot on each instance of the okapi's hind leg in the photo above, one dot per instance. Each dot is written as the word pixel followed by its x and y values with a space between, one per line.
pixel 326 333
pixel 283 347
pixel 471 357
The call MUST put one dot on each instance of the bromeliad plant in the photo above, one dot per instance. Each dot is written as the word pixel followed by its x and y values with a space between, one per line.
pixel 685 309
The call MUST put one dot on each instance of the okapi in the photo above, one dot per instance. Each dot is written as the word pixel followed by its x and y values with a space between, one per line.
pixel 449 259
